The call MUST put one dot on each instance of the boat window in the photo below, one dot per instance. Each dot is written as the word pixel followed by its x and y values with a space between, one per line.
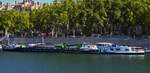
pixel 118 49
pixel 111 49
pixel 103 45
pixel 139 49
pixel 126 49
pixel 84 44
pixel 133 49
pixel 106 45
pixel 99 44
pixel 113 45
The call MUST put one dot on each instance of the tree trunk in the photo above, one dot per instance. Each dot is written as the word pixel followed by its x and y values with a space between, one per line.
pixel 53 31
pixel 68 28
pixel 74 32
pixel 56 32
pixel 7 37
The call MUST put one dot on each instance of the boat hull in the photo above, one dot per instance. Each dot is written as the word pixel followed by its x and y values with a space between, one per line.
pixel 123 53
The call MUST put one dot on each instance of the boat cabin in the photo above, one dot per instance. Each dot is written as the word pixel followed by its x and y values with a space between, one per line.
pixel 137 48
pixel 86 46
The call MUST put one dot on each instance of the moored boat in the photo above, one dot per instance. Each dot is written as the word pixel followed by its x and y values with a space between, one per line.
pixel 110 48
pixel 13 47
pixel 88 47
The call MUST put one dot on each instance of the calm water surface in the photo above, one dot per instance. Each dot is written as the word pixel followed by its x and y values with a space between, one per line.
pixel 13 62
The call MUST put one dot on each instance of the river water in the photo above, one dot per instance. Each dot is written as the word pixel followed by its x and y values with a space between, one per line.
pixel 15 62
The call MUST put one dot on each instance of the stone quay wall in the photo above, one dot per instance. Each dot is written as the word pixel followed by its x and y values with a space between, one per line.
pixel 51 41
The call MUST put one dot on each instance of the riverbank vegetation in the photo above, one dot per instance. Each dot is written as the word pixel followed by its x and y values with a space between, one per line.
pixel 81 17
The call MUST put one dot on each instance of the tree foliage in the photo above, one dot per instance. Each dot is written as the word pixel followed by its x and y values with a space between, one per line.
pixel 81 17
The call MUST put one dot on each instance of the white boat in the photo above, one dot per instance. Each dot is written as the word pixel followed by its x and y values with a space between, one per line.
pixel 111 48
pixel 103 46
pixel 125 50
pixel 1 47
pixel 88 47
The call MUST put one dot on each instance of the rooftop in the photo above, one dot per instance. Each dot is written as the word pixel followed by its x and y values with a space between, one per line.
pixel 24 4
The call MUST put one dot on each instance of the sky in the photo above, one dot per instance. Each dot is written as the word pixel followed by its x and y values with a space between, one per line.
pixel 13 1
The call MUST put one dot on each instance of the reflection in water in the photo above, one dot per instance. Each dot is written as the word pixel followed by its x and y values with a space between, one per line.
pixel 13 62
pixel 140 57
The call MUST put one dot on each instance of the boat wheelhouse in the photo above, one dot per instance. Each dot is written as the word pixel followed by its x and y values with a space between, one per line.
pixel 102 46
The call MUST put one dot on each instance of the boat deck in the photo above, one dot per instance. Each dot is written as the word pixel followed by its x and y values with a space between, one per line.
pixel 147 50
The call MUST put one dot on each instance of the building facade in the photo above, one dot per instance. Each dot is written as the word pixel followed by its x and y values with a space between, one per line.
pixel 27 5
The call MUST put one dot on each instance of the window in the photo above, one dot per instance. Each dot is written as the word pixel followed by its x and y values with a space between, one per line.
pixel 111 49
pixel 114 45
pixel 126 49
pixel 133 49
pixel 118 49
